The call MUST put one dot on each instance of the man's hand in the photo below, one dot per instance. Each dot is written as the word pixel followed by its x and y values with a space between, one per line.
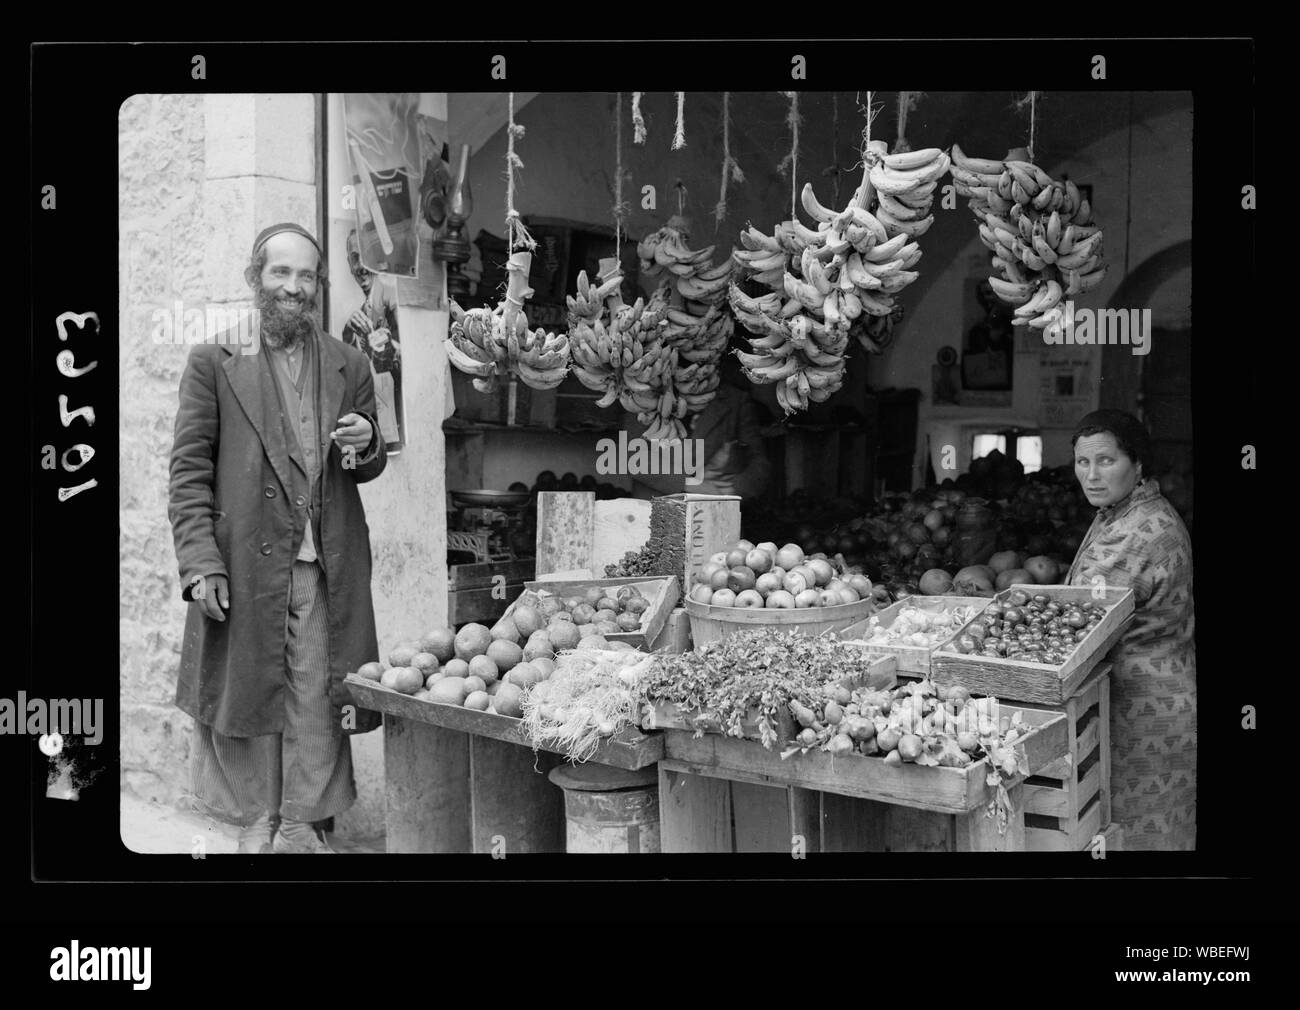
pixel 353 430
pixel 213 594
pixel 360 320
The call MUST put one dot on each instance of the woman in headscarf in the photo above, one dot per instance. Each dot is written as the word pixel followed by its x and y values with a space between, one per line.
pixel 1138 541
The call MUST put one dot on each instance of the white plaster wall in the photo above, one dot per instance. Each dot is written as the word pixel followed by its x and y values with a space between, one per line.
pixel 198 177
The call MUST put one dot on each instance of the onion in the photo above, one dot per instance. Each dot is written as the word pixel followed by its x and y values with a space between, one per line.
pixel 936 582
pixel 1004 561
pixel 973 581
pixel 1042 570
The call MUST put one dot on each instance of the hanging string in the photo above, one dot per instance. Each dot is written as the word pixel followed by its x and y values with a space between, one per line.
pixel 730 168
pixel 834 170
pixel 907 102
pixel 681 198
pixel 790 162
pixel 516 233
pixel 620 208
pixel 1033 121
pixel 638 120
pixel 679 138
pixel 865 189
pixel 1031 100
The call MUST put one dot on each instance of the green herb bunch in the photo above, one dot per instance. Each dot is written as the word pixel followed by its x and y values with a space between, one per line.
pixel 753 674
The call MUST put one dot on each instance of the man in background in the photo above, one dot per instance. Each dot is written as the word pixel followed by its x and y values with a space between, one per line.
pixel 372 329
pixel 735 461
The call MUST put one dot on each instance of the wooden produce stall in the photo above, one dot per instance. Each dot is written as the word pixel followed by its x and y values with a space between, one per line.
pixel 460 780
pixel 720 794
pixel 1067 803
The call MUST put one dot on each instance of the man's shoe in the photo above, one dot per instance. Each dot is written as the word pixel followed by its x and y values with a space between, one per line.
pixel 299 837
pixel 256 838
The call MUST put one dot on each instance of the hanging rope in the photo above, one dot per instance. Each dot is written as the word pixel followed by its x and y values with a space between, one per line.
pixel 679 138
pixel 638 120
pixel 865 189
pixel 681 198
pixel 620 208
pixel 516 233
pixel 730 169
pixel 907 102
pixel 790 162
pixel 1031 100
pixel 834 170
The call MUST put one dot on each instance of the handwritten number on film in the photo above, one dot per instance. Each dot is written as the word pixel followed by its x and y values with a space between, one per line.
pixel 66 362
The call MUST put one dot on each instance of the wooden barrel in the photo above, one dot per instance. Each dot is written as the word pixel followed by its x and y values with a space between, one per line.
pixel 710 623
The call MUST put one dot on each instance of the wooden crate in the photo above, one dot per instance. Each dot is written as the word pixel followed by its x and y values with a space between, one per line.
pixel 1068 802
pixel 911 659
pixel 718 794
pixel 667 715
pixel 470 590
pixel 675 636
pixel 629 748
pixel 661 592
pixel 1017 680
pixel 941 790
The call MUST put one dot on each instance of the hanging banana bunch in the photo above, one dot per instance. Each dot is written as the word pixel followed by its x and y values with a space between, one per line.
pixel 1039 230
pixel 837 280
pixel 697 326
pixel 602 328
pixel 490 344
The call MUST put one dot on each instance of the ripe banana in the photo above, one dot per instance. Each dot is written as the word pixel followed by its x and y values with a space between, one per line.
pixel 980 165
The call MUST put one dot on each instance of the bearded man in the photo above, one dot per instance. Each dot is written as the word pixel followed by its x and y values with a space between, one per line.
pixel 274 556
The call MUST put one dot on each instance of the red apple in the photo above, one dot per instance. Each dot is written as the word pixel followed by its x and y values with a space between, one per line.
pixel 740 578
pixel 828 598
pixel 702 594
pixel 847 595
pixel 707 569
pixel 795 583
pixel 744 545
pixel 822 570
pixel 781 600
pixel 861 585
pixel 759 560
pixel 808 598
pixel 718 580
pixel 789 556
pixel 736 558
pixel 723 598
pixel 767 583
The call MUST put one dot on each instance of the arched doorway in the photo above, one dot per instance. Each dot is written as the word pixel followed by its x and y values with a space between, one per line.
pixel 1157 386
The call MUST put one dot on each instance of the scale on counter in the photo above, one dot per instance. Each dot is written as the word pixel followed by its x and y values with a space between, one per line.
pixel 484 522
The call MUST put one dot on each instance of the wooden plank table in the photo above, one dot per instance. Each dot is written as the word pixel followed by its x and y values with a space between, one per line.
pixel 508 803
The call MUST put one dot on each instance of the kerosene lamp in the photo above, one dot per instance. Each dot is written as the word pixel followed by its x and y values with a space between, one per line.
pixel 451 246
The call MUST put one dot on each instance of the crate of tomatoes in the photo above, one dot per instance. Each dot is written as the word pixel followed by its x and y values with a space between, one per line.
pixel 1034 643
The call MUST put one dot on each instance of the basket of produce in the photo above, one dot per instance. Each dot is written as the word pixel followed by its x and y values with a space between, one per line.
pixel 762 585
pixel 1034 643
pixel 473 682
pixel 913 627
pixel 748 685
pixel 619 610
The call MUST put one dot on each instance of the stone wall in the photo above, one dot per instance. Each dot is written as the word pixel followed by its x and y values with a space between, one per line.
pixel 198 176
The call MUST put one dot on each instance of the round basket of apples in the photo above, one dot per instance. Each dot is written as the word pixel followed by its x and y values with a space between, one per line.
pixel 762 584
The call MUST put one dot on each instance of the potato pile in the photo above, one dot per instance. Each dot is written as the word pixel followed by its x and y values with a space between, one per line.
pixel 490 669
